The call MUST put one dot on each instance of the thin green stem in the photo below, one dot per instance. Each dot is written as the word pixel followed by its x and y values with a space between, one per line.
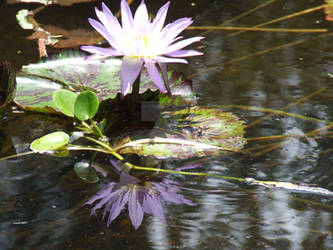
pixel 86 125
pixel 92 158
pixel 17 155
pixel 187 173
pixel 78 147
pixel 99 132
pixel 100 143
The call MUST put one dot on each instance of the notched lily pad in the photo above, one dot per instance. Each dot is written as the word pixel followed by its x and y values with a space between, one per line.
pixel 86 105
pixel 65 100
pixel 192 132
pixel 69 69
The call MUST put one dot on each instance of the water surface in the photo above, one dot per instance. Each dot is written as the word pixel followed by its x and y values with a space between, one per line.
pixel 41 196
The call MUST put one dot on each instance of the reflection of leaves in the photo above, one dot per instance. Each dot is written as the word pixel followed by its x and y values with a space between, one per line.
pixel 38 82
pixel 7 84
pixel 193 132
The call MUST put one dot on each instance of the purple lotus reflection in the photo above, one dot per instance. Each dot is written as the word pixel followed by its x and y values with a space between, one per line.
pixel 140 199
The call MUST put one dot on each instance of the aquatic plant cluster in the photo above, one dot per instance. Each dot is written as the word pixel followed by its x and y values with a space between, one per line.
pixel 76 86
pixel 141 42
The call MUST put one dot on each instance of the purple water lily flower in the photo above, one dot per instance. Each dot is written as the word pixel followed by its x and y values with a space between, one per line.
pixel 140 199
pixel 142 42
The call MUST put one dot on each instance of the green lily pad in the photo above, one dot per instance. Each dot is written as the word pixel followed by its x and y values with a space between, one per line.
pixel 36 83
pixel 190 132
pixel 64 99
pixel 50 142
pixel 86 105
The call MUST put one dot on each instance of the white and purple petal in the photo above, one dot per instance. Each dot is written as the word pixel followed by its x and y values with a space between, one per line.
pixel 130 70
pixel 181 44
pixel 155 75
pixel 141 19
pixel 101 51
pixel 103 31
pixel 172 30
pixel 112 20
pixel 112 28
pixel 159 20
pixel 184 53
pixel 162 59
pixel 126 16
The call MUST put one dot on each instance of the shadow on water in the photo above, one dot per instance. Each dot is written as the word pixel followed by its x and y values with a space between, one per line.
pixel 41 197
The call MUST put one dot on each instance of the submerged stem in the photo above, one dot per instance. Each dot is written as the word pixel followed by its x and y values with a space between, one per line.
pixel 256 29
pixel 283 18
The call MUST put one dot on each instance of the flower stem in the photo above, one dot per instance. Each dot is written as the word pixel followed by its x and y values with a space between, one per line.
pixel 136 86
pixel 135 96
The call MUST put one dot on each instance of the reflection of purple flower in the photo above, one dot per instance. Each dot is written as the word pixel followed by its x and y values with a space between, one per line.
pixel 140 199
pixel 141 41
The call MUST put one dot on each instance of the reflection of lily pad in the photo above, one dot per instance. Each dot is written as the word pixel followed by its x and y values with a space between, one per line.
pixel 37 82
pixel 192 132
pixel 85 171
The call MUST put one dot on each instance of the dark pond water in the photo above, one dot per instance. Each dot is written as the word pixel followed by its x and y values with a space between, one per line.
pixel 40 204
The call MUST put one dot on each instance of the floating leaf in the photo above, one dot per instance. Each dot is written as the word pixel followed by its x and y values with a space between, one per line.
pixel 50 142
pixel 86 105
pixel 64 100
pixel 37 82
pixel 7 84
pixel 211 126
pixel 85 172
pixel 191 132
